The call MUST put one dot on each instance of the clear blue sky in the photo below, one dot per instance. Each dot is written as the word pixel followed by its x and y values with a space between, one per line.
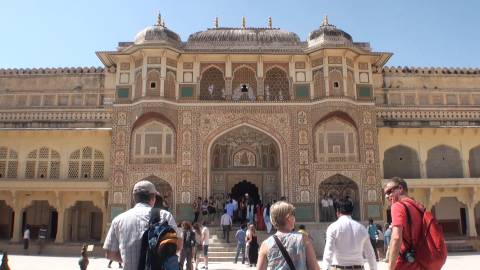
pixel 59 33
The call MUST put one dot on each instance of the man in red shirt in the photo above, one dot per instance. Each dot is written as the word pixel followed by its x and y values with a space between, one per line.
pixel 396 192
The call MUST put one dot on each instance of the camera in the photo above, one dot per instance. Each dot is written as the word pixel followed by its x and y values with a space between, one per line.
pixel 410 256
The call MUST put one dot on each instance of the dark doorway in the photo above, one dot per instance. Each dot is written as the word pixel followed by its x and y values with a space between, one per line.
pixel 463 218
pixel 53 224
pixel 243 187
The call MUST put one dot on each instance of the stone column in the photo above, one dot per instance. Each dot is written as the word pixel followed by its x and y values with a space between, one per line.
pixel 471 228
pixel 260 88
pixel 17 225
pixel 59 238
pixel 228 88
pixel 163 74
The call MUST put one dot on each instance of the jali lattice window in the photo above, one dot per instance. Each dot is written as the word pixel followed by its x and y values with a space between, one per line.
pixel 336 141
pixel 8 163
pixel 43 163
pixel 212 84
pixel 276 84
pixel 86 163
pixel 153 143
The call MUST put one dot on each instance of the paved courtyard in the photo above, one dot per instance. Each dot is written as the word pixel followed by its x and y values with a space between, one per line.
pixel 464 261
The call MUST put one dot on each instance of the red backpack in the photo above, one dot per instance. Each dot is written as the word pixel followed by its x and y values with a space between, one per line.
pixel 430 250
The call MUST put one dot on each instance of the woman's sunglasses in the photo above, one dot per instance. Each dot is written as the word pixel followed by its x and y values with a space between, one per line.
pixel 390 190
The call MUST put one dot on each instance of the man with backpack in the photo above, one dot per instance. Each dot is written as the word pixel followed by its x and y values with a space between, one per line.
pixel 124 238
pixel 417 241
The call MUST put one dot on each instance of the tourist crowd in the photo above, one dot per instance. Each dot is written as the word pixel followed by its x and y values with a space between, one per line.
pixel 348 243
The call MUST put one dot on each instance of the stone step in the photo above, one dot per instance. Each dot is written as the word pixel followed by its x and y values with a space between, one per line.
pixel 67 249
pixel 229 254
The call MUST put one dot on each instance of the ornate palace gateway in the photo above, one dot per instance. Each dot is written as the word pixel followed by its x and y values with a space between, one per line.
pixel 235 110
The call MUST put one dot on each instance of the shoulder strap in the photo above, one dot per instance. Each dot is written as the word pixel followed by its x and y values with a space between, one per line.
pixel 284 253
pixel 409 222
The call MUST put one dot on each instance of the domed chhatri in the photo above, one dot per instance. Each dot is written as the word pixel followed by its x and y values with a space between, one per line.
pixel 158 33
pixel 329 35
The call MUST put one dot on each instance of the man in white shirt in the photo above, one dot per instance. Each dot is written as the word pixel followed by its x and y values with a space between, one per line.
pixel 205 242
pixel 226 223
pixel 347 243
pixel 123 241
pixel 324 210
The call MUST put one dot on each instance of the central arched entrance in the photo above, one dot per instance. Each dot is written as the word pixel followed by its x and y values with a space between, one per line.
pixel 244 187
pixel 245 160
pixel 335 188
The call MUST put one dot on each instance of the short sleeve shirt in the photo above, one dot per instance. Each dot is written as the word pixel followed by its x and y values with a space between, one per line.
pixel 126 231
pixel 399 219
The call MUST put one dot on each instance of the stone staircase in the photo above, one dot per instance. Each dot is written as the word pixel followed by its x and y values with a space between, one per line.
pixel 459 245
pixel 221 251
pixel 67 249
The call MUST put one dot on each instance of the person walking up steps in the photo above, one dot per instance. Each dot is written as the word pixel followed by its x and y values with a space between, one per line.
pixel 240 235
pixel 205 242
pixel 226 223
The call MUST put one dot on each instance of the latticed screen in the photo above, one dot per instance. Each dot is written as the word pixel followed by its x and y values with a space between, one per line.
pixel 8 163
pixel 43 163
pixel 86 163
pixel 212 84
pixel 276 84
pixel 169 91
pixel 154 143
pixel 318 83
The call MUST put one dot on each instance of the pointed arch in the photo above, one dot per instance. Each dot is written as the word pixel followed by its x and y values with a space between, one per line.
pixel 153 83
pixel 86 162
pixel 170 85
pixel 474 161
pixel 276 84
pixel 444 161
pixel 153 140
pixel 401 161
pixel 43 163
pixel 335 139
pixel 212 83
pixel 245 75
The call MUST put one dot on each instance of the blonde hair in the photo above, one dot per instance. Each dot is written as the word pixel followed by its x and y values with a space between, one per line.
pixel 279 212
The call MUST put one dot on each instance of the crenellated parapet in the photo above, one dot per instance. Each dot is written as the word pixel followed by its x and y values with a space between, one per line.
pixel 430 70
pixel 41 71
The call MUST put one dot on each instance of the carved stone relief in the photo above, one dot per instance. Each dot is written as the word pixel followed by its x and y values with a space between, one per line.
pixel 303 157
pixel 187 158
pixel 186 197
pixel 186 178
pixel 304 196
pixel 367 118
pixel 119 158
pixel 187 118
pixel 122 119
pixel 368 137
pixel 372 195
pixel 118 197
pixel 369 157
pixel 118 178
pixel 304 178
pixel 302 137
pixel 302 118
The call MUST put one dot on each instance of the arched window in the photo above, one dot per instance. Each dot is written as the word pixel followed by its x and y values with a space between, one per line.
pixel 153 143
pixel 444 162
pixel 276 84
pixel 8 163
pixel 153 83
pixel 212 84
pixel 138 84
pixel 336 141
pixel 474 162
pixel 170 83
pixel 319 83
pixel 335 79
pixel 86 163
pixel 401 161
pixel 244 76
pixel 43 163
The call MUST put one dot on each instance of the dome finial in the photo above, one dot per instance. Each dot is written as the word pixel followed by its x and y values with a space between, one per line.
pixel 216 22
pixel 244 22
pixel 159 19
pixel 325 20
pixel 270 22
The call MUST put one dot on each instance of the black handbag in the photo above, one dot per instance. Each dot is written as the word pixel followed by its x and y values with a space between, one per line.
pixel 284 253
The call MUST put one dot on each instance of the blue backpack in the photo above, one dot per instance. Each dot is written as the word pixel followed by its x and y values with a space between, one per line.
pixel 159 245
